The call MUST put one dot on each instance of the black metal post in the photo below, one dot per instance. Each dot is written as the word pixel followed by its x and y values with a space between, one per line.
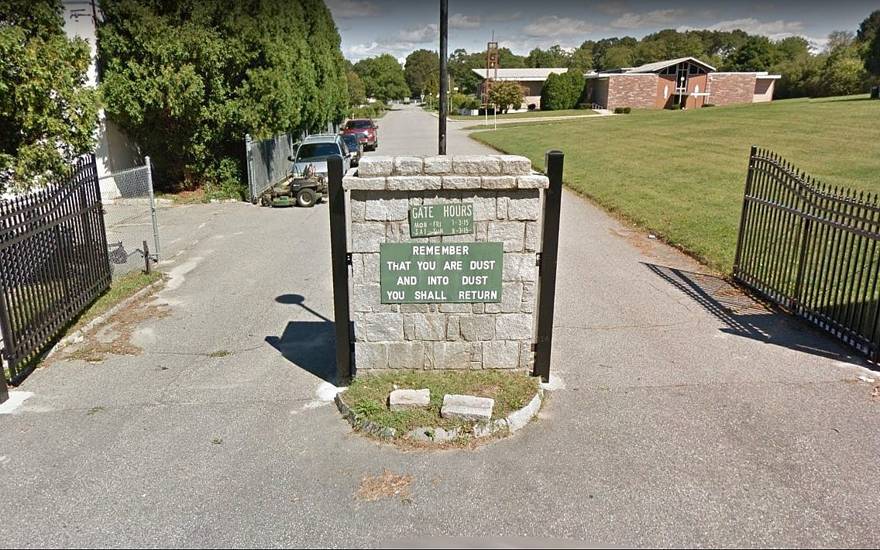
pixel 744 215
pixel 4 393
pixel 146 258
pixel 444 74
pixel 339 261
pixel 547 269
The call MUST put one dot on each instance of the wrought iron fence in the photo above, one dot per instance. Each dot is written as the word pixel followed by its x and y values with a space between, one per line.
pixel 131 218
pixel 812 248
pixel 53 263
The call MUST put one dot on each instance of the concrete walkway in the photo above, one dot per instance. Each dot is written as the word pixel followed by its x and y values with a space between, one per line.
pixel 689 416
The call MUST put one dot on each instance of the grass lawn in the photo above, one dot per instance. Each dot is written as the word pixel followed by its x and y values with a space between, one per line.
pixel 368 395
pixel 680 174
pixel 528 114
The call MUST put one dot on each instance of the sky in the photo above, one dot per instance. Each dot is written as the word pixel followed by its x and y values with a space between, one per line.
pixel 373 27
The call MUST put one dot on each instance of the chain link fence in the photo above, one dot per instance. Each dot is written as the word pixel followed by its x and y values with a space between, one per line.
pixel 130 218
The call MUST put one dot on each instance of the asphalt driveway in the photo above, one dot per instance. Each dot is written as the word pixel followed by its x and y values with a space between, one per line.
pixel 689 415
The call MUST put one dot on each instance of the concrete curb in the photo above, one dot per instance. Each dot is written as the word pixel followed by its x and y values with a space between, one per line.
pixel 77 335
pixel 513 422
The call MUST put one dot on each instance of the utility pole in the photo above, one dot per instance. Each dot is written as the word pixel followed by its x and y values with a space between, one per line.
pixel 444 76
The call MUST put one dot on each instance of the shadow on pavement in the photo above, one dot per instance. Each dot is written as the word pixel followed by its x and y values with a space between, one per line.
pixel 745 317
pixel 310 345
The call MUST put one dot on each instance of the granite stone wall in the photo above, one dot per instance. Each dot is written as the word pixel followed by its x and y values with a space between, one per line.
pixel 507 208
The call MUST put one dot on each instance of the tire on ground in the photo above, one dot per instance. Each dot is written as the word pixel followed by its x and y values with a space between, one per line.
pixel 306 198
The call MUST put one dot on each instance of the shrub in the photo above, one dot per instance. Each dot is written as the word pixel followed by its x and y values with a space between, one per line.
pixel 708 105
pixel 187 79
pixel 506 94
pixel 562 91
pixel 47 111
pixel 627 110
pixel 532 106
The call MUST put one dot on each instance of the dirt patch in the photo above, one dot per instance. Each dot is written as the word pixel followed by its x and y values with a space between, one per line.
pixel 113 337
pixel 387 485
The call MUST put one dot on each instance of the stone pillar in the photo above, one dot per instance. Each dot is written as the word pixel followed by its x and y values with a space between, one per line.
pixel 506 205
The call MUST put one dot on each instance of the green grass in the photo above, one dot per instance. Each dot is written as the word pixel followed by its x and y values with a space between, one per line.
pixel 119 290
pixel 528 114
pixel 680 174
pixel 122 288
pixel 368 395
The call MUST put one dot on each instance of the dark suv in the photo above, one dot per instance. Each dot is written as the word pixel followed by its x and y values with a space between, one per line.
pixel 365 130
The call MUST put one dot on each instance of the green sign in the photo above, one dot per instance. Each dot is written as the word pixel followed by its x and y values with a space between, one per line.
pixel 430 220
pixel 416 273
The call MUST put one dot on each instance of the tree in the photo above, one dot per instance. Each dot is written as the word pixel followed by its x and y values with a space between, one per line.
pixel 869 27
pixel 357 94
pixel 383 77
pixel 188 79
pixel 419 66
pixel 48 113
pixel 506 95
pixel 581 59
pixel 844 72
pixel 869 37
pixel 552 57
pixel 618 56
pixel 562 91
pixel 756 54
pixel 872 56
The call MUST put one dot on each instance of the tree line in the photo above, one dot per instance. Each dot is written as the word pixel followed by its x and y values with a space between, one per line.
pixel 849 63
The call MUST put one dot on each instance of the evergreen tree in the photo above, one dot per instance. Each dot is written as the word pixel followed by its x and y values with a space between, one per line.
pixel 48 113
pixel 188 79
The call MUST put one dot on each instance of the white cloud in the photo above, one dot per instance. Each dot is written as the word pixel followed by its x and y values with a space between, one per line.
pixel 352 8
pixel 461 21
pixel 501 17
pixel 552 25
pixel 632 20
pixel 775 30
pixel 361 50
pixel 420 35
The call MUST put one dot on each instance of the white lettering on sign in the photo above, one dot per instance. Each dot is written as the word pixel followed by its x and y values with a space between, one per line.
pixel 440 249
pixel 398 266
pixel 482 295
pixel 453 265
pixel 407 281
pixel 482 264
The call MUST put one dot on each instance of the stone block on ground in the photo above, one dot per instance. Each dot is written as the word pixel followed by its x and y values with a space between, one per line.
pixel 403 400
pixel 467 407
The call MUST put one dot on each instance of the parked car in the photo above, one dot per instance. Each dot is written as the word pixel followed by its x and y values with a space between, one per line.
pixel 315 150
pixel 365 130
pixel 355 148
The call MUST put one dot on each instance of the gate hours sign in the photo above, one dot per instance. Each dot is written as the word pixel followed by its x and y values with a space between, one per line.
pixel 429 220
pixel 415 273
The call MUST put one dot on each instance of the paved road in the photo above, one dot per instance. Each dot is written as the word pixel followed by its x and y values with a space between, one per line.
pixel 689 415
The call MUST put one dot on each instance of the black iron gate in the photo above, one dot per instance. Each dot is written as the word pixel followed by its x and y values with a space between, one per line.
pixel 53 263
pixel 812 249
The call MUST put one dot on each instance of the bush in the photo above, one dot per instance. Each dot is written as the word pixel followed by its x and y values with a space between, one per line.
pixel 708 105
pixel 506 94
pixel 188 79
pixel 532 106
pixel 562 91
pixel 627 110
pixel 47 111
pixel 462 101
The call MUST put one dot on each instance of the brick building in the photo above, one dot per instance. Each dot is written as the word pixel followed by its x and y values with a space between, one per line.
pixel 687 82
pixel 530 80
